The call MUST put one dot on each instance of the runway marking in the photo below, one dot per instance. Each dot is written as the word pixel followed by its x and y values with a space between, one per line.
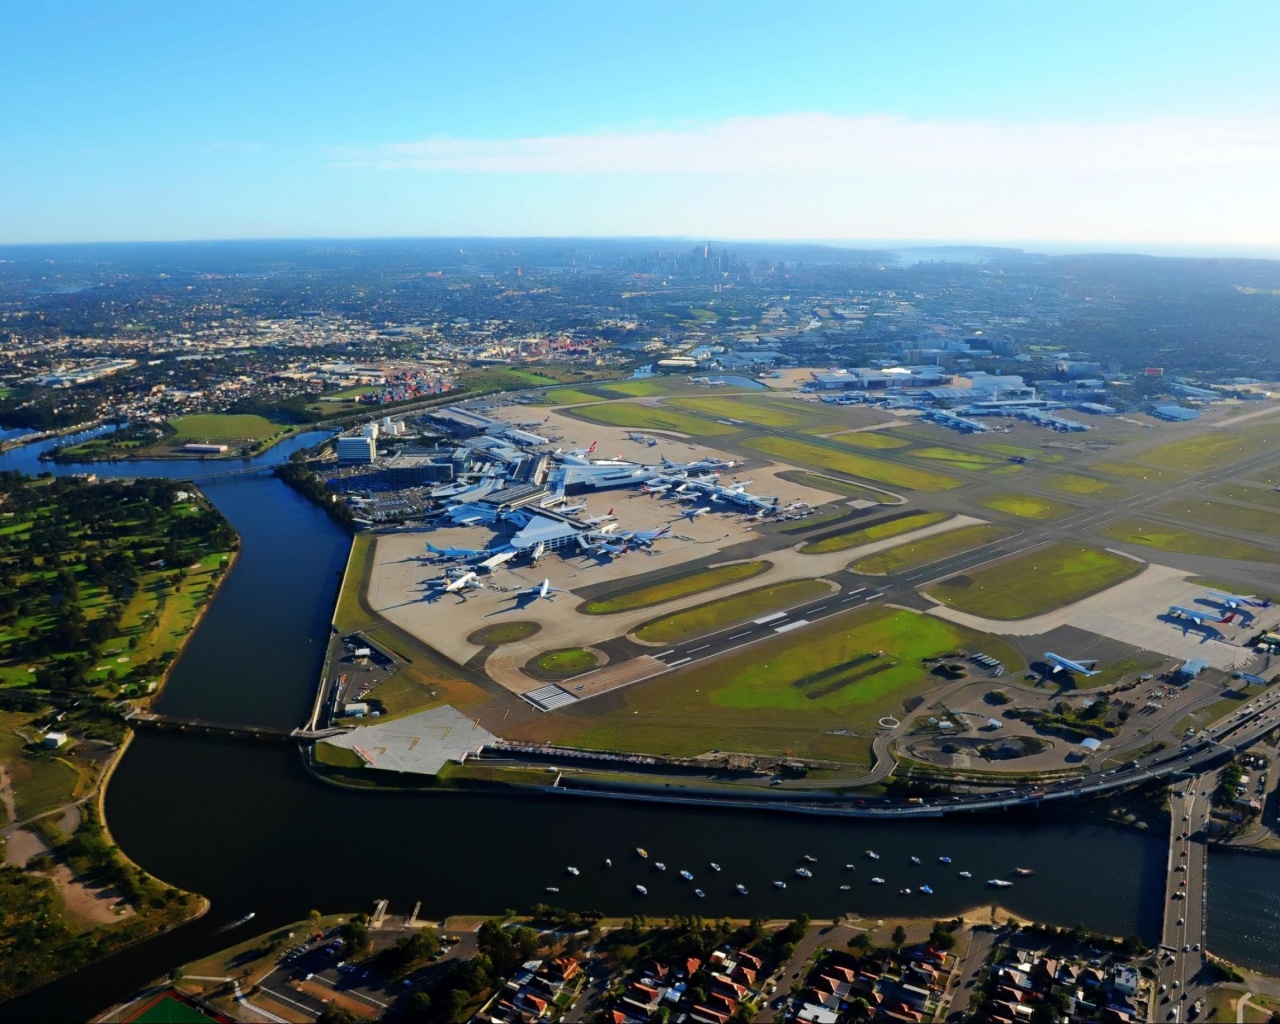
pixel 694 650
pixel 681 661
pixel 665 653
pixel 791 625
pixel 818 609
pixel 736 635
pixel 770 618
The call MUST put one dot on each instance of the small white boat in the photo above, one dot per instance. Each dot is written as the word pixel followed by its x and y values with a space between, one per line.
pixel 1025 872
pixel 715 866
pixel 642 890
pixel 608 862
pixel 809 858
pixel 904 892
pixel 850 867
pixel 915 860
pixel 572 870
pixel 687 875
pixel 966 874
pixel 845 888
pixel 877 881
pixel 700 894
pixel 552 888
pixel 999 883
pixel 803 873
pixel 944 860
pixel 742 889
pixel 659 865
pixel 927 890
pixel 779 885
pixel 873 855
pixel 642 852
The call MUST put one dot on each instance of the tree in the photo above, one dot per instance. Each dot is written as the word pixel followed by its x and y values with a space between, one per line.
pixel 419 1008
pixel 899 937
pixel 337 1015
pixel 859 1008
pixel 455 1005
pixel 313 917
pixel 861 942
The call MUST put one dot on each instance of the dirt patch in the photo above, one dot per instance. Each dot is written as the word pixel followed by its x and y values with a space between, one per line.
pixel 20 846
pixel 86 903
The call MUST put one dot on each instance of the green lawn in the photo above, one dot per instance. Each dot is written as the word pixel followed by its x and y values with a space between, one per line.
pixel 729 611
pixel 1137 471
pixel 669 590
pixel 870 439
pixel 957 458
pixel 1085 486
pixel 764 412
pixel 1206 451
pixel 216 425
pixel 41 780
pixel 640 388
pixel 832 458
pixel 1232 517
pixel 1268 496
pixel 503 633
pixel 1270 476
pixel 567 396
pixel 1026 506
pixel 831 485
pixel 1026 453
pixel 337 757
pixel 931 549
pixel 814 692
pixel 1034 582
pixel 647 417
pixel 858 536
pixel 567 661
pixel 1184 542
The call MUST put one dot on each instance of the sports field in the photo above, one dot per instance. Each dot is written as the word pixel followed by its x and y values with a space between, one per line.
pixel 1138 471
pixel 1254 495
pixel 856 537
pixel 956 458
pixel 1085 486
pixel 1034 582
pixel 1205 451
pixel 888 473
pixel 931 549
pixel 1232 517
pixel 217 425
pixel 832 486
pixel 648 417
pixel 763 412
pixel 1184 542
pixel 815 692
pixel 669 590
pixel 729 611
pixel 871 439
pixel 1026 506
pixel 168 1010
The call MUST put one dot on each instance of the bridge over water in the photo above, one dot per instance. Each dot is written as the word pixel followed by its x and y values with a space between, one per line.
pixel 200 725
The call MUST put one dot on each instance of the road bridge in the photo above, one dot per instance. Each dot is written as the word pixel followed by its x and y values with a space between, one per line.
pixel 1181 969
pixel 211 728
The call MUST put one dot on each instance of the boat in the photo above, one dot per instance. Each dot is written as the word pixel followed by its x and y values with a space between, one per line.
pixel 715 866
pixel 687 875
pixel 803 873
pixel 809 858
pixel 700 894
pixel 877 881
pixel 927 890
pixel 944 860
pixel 850 867
pixel 572 870
pixel 659 865
pixel 915 860
pixel 966 874
pixel 999 883
pixel 779 885
pixel 552 888
pixel 873 855
pixel 608 862
pixel 904 892
pixel 741 888
pixel 845 888
pixel 642 852
pixel 1024 872
pixel 244 920
pixel 642 890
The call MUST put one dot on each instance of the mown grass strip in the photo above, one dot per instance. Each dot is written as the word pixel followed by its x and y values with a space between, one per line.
pixel 930 549
pixel 1164 537
pixel 1026 506
pixel 672 589
pixel 853 538
pixel 730 611
pixel 648 417
pixel 831 457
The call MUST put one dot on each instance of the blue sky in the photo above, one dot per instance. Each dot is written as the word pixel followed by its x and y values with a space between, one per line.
pixel 1105 123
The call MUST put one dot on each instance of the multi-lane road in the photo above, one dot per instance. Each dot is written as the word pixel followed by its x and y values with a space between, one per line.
pixel 1181 976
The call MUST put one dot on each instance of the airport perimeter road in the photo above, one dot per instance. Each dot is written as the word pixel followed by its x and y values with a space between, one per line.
pixel 1182 965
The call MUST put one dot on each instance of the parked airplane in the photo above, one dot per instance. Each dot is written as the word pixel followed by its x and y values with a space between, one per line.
pixel 537 552
pixel 1236 600
pixel 646 537
pixel 467 579
pixel 608 517
pixel 543 589
pixel 654 488
pixel 693 513
pixel 456 552
pixel 1061 664
pixel 582 453
pixel 568 510
pixel 1199 616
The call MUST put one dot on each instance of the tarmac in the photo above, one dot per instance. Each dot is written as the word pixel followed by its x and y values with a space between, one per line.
pixel 419 744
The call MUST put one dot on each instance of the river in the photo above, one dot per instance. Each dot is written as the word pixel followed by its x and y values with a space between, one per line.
pixel 246 826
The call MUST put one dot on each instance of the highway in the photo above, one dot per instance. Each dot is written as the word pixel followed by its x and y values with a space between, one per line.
pixel 1181 975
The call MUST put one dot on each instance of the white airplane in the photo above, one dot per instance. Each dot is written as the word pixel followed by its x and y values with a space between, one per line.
pixel 1236 600
pixel 489 564
pixel 543 589
pixel 693 513
pixel 1199 616
pixel 467 579
pixel 646 537
pixel 582 453
pixel 538 550
pixel 568 510
pixel 608 517
pixel 1061 664
pixel 457 552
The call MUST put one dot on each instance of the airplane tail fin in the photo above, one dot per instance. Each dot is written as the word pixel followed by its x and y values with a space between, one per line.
pixel 593 447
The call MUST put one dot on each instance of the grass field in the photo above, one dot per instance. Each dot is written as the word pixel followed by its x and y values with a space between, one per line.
pixel 816 692
pixel 763 412
pixel 1184 542
pixel 873 440
pixel 1085 486
pixel 1022 452
pixel 41 780
pixel 858 536
pixel 669 590
pixel 223 425
pixel 647 417
pixel 1205 451
pixel 566 396
pixel 931 549
pixel 729 611
pixel 1026 506
pixel 1137 471
pixel 503 633
pixel 640 388
pixel 1269 476
pixel 567 661
pixel 1254 495
pixel 956 458
pixel 832 458
pixel 832 486
pixel 1232 517
pixel 337 757
pixel 1034 582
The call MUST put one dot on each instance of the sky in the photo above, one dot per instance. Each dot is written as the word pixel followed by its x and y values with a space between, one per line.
pixel 1147 126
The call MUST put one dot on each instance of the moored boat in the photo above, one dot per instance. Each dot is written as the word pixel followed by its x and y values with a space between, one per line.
pixel 779 885
pixel 741 888
pixel 572 870
pixel 999 883
pixel 642 890
pixel 642 852
pixel 877 881
pixel 966 874
pixel 927 890
pixel 873 855
pixel 700 894
pixel 687 875
pixel 803 873
pixel 1024 872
